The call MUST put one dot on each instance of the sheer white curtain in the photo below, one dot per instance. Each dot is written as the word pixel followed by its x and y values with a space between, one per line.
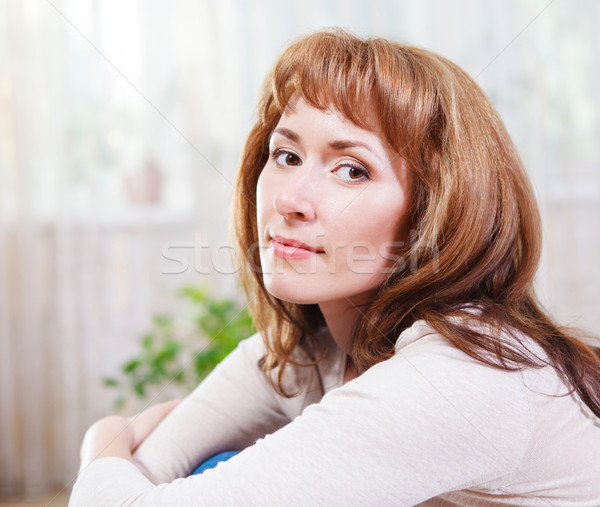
pixel 121 125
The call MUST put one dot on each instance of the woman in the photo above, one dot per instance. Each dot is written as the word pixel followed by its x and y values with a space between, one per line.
pixel 389 239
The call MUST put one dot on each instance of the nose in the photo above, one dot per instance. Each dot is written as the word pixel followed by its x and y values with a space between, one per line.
pixel 295 200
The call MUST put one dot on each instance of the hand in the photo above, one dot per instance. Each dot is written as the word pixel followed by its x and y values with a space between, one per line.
pixel 116 436
pixel 144 423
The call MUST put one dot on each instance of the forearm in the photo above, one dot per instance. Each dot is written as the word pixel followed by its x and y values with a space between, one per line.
pixel 230 410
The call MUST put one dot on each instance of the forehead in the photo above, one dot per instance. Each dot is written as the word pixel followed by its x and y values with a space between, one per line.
pixel 302 114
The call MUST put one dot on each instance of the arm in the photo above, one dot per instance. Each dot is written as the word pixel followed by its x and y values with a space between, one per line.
pixel 232 408
pixel 427 421
pixel 118 437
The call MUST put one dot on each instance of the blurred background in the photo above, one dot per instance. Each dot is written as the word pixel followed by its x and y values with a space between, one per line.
pixel 121 126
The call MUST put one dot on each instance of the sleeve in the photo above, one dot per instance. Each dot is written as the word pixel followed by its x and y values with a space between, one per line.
pixel 232 408
pixel 427 421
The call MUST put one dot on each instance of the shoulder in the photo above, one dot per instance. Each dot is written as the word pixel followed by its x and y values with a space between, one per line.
pixel 451 389
pixel 433 364
pixel 252 347
pixel 433 405
pixel 421 351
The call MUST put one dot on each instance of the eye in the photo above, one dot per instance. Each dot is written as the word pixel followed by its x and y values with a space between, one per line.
pixel 286 158
pixel 352 174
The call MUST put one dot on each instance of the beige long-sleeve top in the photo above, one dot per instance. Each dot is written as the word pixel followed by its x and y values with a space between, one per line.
pixel 429 426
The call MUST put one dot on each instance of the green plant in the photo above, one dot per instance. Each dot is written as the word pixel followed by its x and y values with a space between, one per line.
pixel 182 354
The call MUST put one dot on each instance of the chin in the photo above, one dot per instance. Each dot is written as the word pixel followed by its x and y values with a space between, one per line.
pixel 292 294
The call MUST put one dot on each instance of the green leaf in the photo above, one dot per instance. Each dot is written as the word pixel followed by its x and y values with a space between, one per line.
pixel 110 382
pixel 119 402
pixel 162 320
pixel 195 294
pixel 132 365
pixel 219 323
pixel 147 341
pixel 140 389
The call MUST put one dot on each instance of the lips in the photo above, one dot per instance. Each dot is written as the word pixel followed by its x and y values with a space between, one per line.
pixel 288 248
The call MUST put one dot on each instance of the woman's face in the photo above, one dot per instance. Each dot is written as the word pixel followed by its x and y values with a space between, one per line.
pixel 332 204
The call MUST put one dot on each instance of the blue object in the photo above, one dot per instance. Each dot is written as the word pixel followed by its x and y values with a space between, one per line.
pixel 213 461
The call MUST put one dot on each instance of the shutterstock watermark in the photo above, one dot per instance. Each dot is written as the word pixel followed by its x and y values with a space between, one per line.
pixel 358 257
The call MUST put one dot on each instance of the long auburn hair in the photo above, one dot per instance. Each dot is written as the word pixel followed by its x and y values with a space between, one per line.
pixel 477 239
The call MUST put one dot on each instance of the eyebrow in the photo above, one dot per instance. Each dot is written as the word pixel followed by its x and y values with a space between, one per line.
pixel 290 134
pixel 336 145
pixel 342 145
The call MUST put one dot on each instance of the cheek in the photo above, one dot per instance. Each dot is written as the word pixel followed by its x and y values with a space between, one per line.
pixel 393 220
pixel 373 234
pixel 262 200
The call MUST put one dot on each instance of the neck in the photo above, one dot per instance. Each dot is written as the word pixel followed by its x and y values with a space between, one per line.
pixel 340 317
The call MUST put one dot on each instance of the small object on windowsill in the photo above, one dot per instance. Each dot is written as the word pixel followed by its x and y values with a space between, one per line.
pixel 144 186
